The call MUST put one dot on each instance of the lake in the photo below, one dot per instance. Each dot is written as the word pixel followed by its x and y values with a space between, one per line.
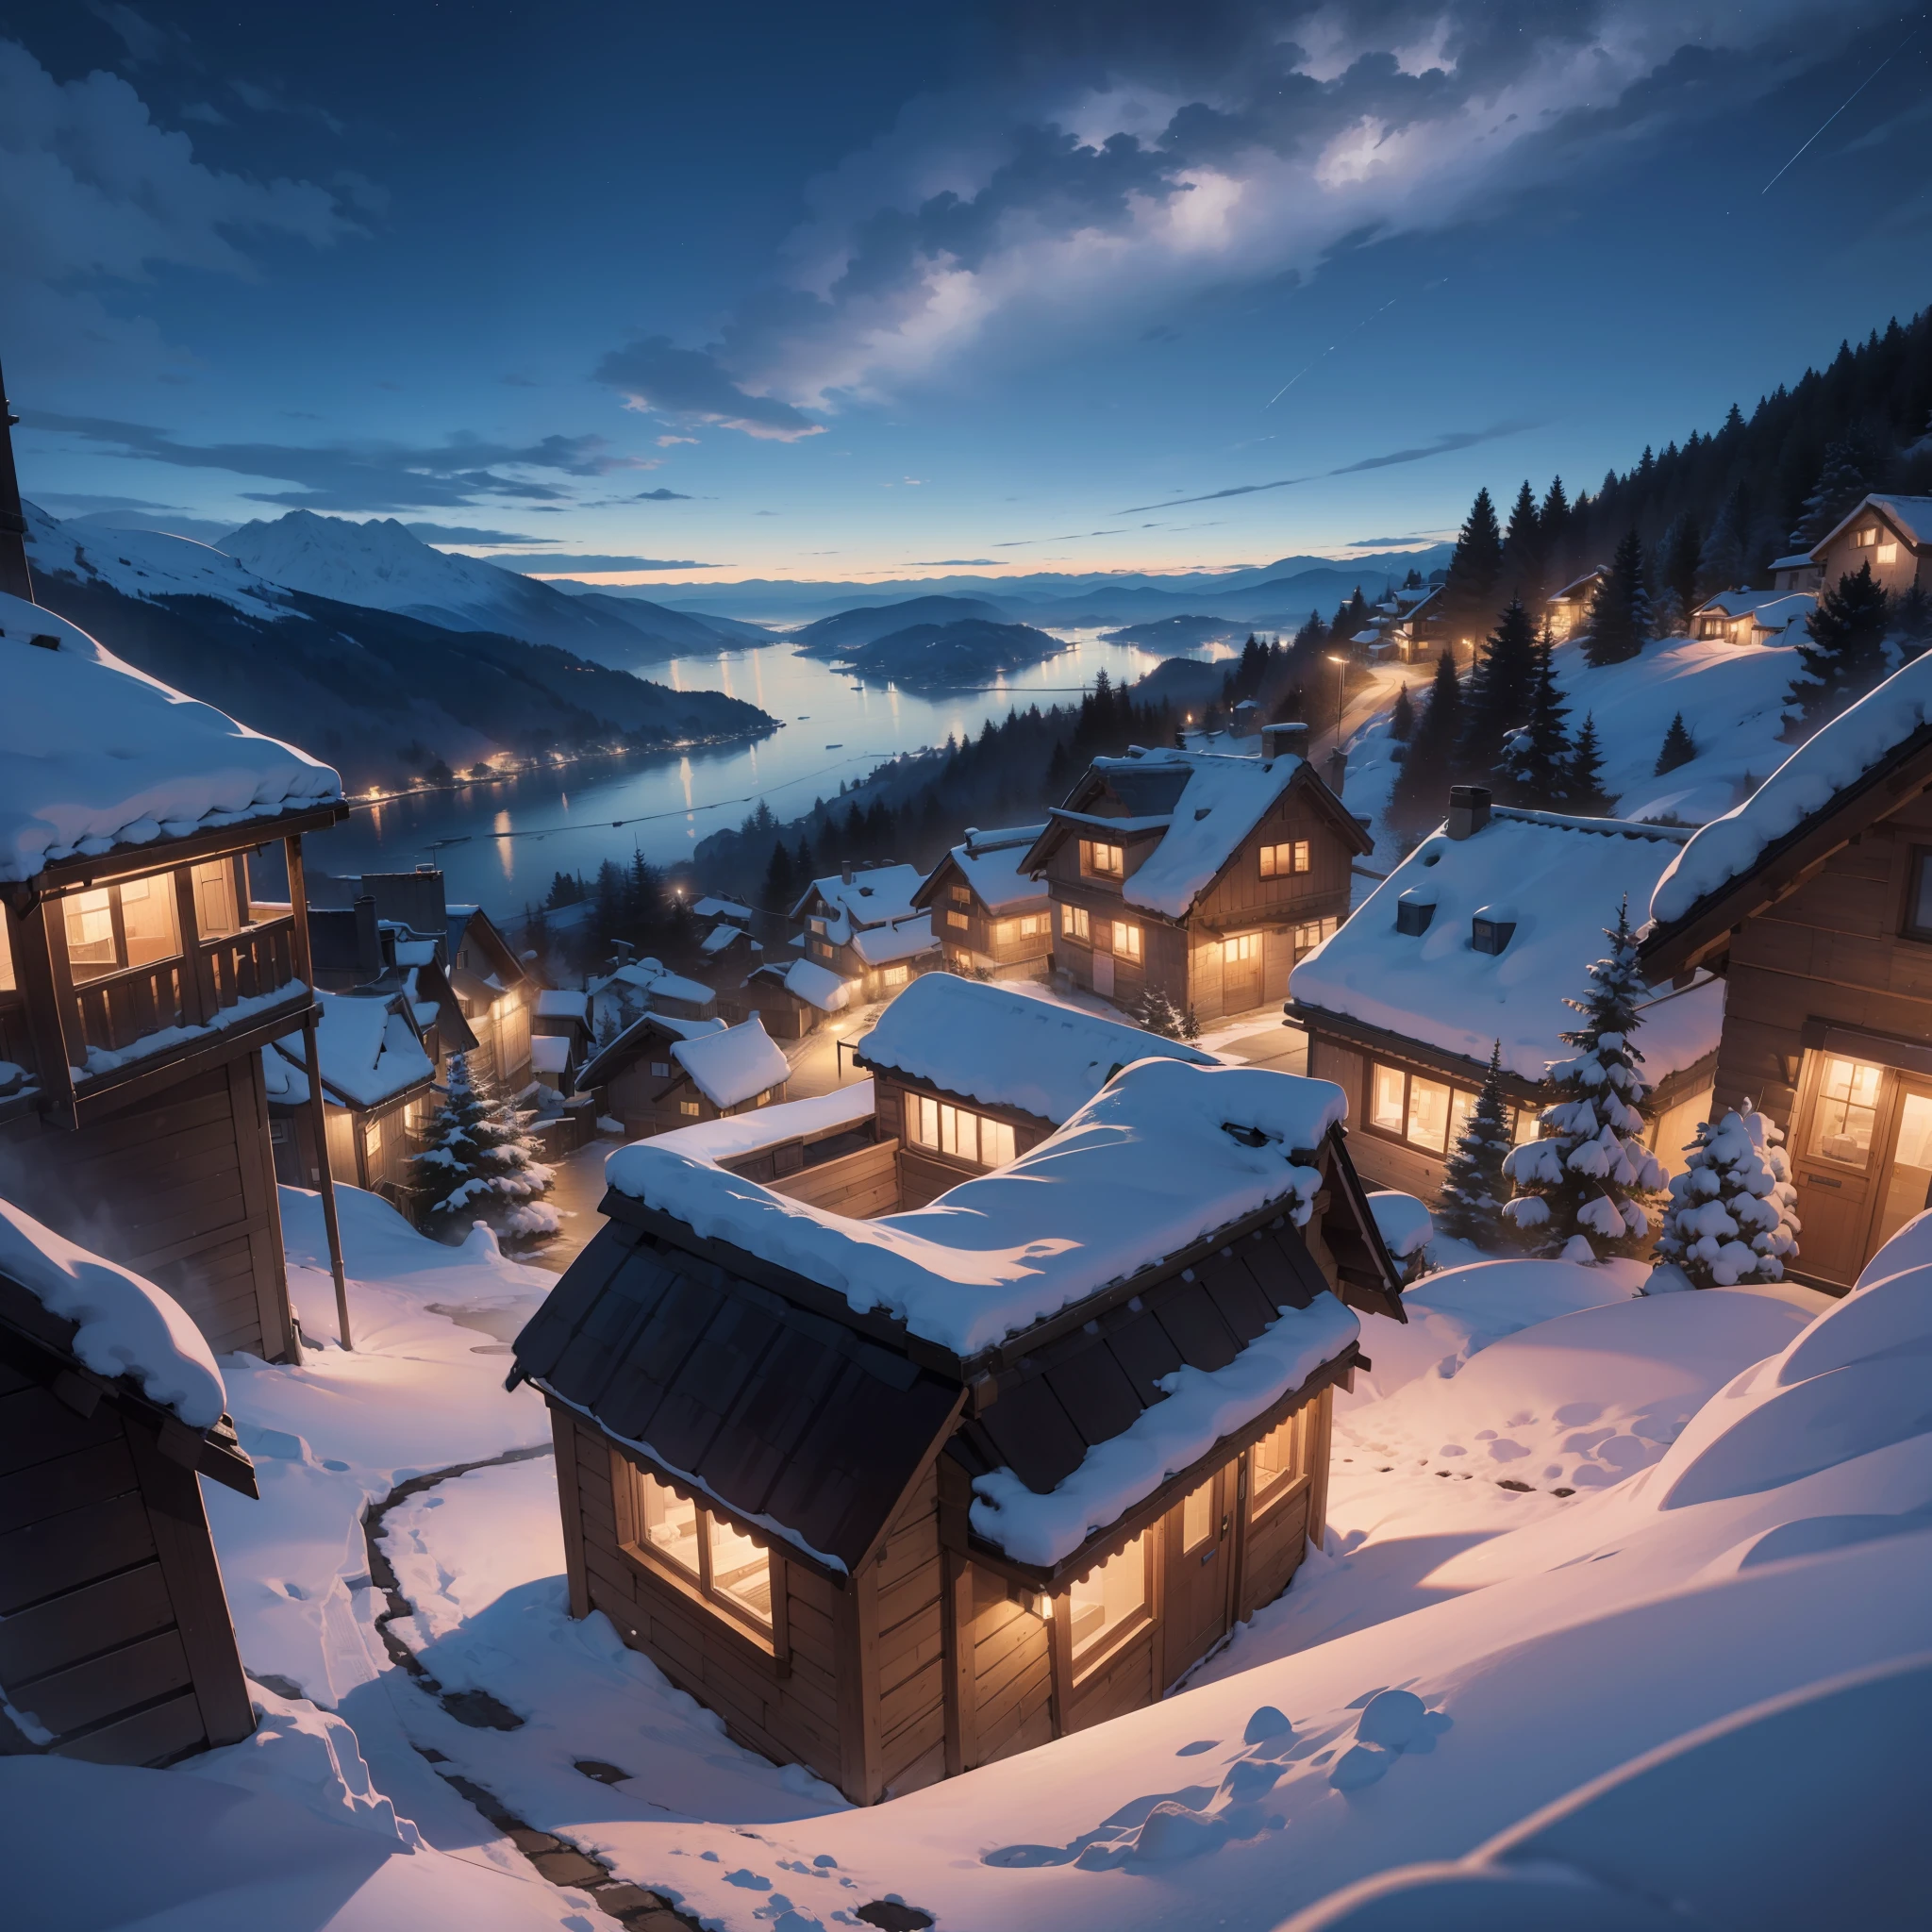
pixel 499 844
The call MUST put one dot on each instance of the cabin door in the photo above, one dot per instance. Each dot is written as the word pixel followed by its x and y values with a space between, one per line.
pixel 1200 1572
pixel 1241 973
pixel 1103 975
pixel 1905 1187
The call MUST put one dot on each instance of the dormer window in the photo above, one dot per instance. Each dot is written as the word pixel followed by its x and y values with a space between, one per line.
pixel 1490 930
pixel 1102 859
pixel 1413 911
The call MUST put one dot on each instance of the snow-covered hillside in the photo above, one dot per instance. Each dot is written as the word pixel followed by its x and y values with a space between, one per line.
pixel 147 564
pixel 381 564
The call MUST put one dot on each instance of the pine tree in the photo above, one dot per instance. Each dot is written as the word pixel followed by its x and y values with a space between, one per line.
pixel 1620 620
pixel 1523 547
pixel 1496 698
pixel 1581 1188
pixel 478 1163
pixel 1679 747
pixel 1469 590
pixel 1422 785
pixel 1474 1188
pixel 1729 1218
pixel 1849 472
pixel 1583 782
pixel 1846 655
pixel 1401 718
pixel 1191 1027
pixel 777 895
pixel 1678 551
pixel 1157 1015
pixel 1537 759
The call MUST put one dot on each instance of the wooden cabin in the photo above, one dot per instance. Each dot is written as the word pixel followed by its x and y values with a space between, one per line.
pixel 663 1073
pixel 1567 612
pixel 1477 938
pixel 992 920
pixel 1813 901
pixel 635 987
pixel 141 976
pixel 378 1081
pixel 967 1075
pixel 1752 617
pixel 863 926
pixel 1890 534
pixel 1798 571
pixel 832 1489
pixel 790 1000
pixel 496 995
pixel 1197 874
pixel 115 1640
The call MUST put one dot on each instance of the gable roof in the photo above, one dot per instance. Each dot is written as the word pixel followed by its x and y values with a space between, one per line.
pixel 1828 790
pixel 870 897
pixel 369 1047
pixel 887 945
pixel 1576 587
pixel 612 1058
pixel 733 1064
pixel 472 921
pixel 1006 1047
pixel 96 755
pixel 1558 880
pixel 1910 515
pixel 990 864
pixel 1202 804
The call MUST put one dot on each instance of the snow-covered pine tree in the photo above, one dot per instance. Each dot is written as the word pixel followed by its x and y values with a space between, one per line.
pixel 479 1163
pixel 1582 777
pixel 1620 616
pixel 1679 747
pixel 1581 1188
pixel 1191 1027
pixel 1156 1012
pixel 1730 1215
pixel 1473 1187
pixel 1845 657
pixel 1847 474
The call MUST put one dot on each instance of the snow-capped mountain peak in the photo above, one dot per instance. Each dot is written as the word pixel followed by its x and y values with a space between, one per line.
pixel 147 564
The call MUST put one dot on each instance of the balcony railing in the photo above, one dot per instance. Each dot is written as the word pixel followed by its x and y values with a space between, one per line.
pixel 127 1008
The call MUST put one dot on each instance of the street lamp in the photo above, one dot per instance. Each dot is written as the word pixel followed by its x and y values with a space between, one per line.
pixel 1340 664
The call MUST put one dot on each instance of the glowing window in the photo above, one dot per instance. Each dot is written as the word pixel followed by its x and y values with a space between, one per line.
pixel 1428 1114
pixel 1846 1114
pixel 1888 552
pixel 954 1131
pixel 8 982
pixel 740 1571
pixel 1197 1515
pixel 1461 1104
pixel 1387 1101
pixel 722 1561
pixel 1105 862
pixel 670 1524
pixel 115 926
pixel 1311 932
pixel 1282 862
pixel 1107 1599
pixel 1074 923
pixel 1276 1457
pixel 895 976
pixel 1236 951
pixel 963 920
pixel 1126 941
pixel 688 1109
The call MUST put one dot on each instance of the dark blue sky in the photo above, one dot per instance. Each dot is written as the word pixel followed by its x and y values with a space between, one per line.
pixel 871 289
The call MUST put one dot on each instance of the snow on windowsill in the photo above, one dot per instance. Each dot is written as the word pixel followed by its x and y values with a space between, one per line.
pixel 101 1059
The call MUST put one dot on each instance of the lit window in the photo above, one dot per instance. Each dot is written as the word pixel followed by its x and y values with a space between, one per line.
pixel 1280 861
pixel 699 1545
pixel 1074 923
pixel 114 927
pixel 1866 538
pixel 1197 1515
pixel 1311 932
pixel 215 914
pixel 963 895
pixel 1126 941
pixel 895 976
pixel 961 920
pixel 1428 1113
pixel 740 1570
pixel 1387 1105
pixel 1888 552
pixel 1032 926
pixel 1461 1104
pixel 1528 1124
pixel 1107 1600
pixel 372 1140
pixel 1234 951
pixel 1106 861
pixel 8 982
pixel 670 1525
pixel 955 1131
pixel 1276 1459
pixel 1847 1111
pixel 688 1109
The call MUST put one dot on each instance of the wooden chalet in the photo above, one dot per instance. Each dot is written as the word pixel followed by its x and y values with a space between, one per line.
pixel 635 987
pixel 863 926
pixel 1813 900
pixel 834 1479
pixel 1567 612
pixel 1201 876
pixel 1797 571
pixel 663 1073
pixel 967 1077
pixel 115 1640
pixel 496 994
pixel 991 919
pixel 1475 940
pixel 1890 534
pixel 141 972
pixel 792 999
pixel 1752 617
pixel 377 1082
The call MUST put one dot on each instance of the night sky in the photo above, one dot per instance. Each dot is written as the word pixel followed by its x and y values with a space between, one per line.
pixel 862 289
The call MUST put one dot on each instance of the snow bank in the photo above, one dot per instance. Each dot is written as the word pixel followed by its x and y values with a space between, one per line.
pixel 126 1326
pixel 991 1044
pixel 94 753
pixel 1147 1167
pixel 735 1064
pixel 1807 781
pixel 1199 1409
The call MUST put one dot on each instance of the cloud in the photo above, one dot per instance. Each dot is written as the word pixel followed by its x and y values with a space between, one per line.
pixel 667 441
pixel 660 496
pixel 688 384
pixel 949 562
pixel 365 475
pixel 1118 160
pixel 462 533
pixel 143 41
pixel 268 100
pixel 559 563
pixel 1461 438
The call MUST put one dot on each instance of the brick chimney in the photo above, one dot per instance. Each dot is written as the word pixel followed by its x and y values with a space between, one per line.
pixel 1469 810
pixel 1284 740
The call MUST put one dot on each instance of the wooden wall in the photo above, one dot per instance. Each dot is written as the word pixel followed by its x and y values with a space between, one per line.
pixel 181 1188
pixel 925 1174
pixel 860 1184
pixel 114 1633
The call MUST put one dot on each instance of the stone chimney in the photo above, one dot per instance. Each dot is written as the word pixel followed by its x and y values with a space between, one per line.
pixel 1284 740
pixel 1334 769
pixel 846 871
pixel 1469 810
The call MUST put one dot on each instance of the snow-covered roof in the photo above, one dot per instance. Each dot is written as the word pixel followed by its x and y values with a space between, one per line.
pixel 867 898
pixel 1368 636
pixel 723 908
pixel 655 979
pixel 739 1134
pixel 1559 881
pixel 1781 613
pixel 990 863
pixel 1150 1165
pixel 1576 587
pixel 126 1325
pixel 1405 1222
pixel 554 1003
pixel 1807 784
pixel 905 938
pixel 549 1052
pixel 95 755
pixel 1798 560
pixel 733 1064
pixel 414 952
pixel 1912 515
pixel 818 986
pixel 1221 799
pixel 1740 603
pixel 369 1047
pixel 1007 1047
pixel 721 936
pixel 624 1047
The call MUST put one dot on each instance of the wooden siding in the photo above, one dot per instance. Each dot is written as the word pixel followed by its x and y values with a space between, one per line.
pixel 924 1173
pixel 649 1104
pixel 180 1187
pixel 860 1184
pixel 114 1633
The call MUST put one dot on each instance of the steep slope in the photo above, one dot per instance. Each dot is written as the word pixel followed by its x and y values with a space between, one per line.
pixel 383 567
pixel 377 694
pixel 846 632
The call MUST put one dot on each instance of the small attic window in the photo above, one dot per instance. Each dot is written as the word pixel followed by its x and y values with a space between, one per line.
pixel 1413 911
pixel 1490 928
